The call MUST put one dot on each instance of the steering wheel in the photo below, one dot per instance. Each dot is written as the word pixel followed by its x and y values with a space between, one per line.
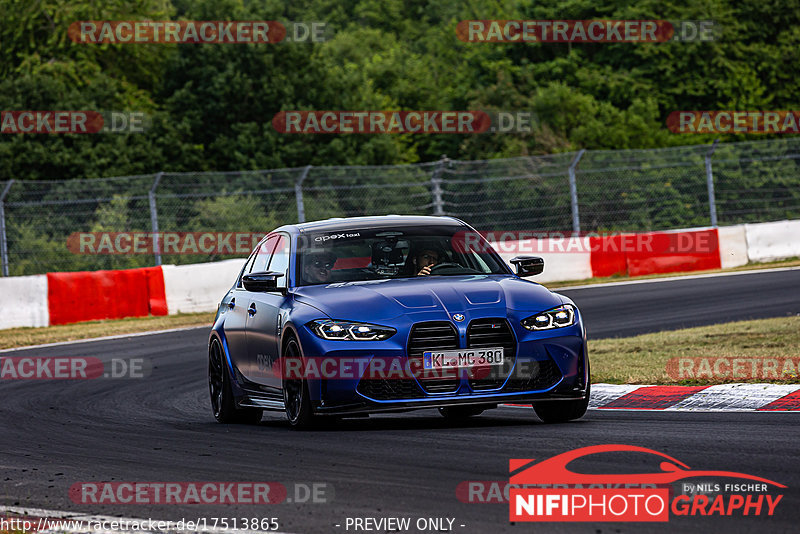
pixel 446 264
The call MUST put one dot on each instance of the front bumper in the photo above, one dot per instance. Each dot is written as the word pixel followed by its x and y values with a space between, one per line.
pixel 550 365
pixel 481 400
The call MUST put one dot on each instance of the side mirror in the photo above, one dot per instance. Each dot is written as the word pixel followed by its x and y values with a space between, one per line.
pixel 261 281
pixel 528 265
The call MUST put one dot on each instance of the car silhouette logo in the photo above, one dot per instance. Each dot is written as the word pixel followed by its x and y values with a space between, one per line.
pixel 554 470
pixel 458 317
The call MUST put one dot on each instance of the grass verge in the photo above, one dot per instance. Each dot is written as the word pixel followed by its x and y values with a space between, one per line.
pixel 643 359
pixel 20 337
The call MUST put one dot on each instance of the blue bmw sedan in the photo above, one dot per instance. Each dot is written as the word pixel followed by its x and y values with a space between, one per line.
pixel 354 316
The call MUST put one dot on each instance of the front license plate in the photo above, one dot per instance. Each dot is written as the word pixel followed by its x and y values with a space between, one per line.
pixel 457 359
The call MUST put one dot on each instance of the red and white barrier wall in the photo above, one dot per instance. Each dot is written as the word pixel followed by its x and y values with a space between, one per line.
pixel 568 258
pixel 23 301
pixel 772 240
pixel 581 258
pixel 60 298
pixel 93 295
pixel 733 247
pixel 199 287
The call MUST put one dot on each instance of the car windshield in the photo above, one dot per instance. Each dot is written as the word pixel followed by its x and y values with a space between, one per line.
pixel 401 252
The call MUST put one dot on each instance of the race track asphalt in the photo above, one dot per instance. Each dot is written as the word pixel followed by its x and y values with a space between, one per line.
pixel 160 429
pixel 629 309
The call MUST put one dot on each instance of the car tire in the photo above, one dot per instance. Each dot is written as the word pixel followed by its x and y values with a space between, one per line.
pixel 460 413
pixel 223 404
pixel 562 411
pixel 296 398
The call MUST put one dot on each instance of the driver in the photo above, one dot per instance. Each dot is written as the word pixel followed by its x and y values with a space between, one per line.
pixel 317 266
pixel 424 260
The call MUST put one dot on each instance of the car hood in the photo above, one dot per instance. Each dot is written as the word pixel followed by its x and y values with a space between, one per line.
pixel 385 299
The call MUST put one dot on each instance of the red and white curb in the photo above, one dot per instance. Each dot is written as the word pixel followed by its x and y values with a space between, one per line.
pixel 719 398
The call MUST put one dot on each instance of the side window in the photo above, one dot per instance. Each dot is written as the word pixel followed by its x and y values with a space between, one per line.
pixel 247 266
pixel 280 259
pixel 263 254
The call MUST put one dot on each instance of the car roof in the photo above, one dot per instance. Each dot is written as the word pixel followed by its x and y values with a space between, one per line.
pixel 383 221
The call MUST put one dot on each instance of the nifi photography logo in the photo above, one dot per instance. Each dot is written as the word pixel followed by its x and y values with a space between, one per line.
pixel 549 491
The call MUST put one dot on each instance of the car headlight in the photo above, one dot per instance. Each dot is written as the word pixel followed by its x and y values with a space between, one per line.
pixel 555 318
pixel 350 331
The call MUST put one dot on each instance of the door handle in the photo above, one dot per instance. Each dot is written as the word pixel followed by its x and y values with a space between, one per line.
pixel 252 309
pixel 232 304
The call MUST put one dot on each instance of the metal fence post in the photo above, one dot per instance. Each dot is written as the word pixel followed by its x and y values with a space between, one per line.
pixel 573 193
pixel 298 193
pixel 436 186
pixel 3 241
pixel 154 218
pixel 712 201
